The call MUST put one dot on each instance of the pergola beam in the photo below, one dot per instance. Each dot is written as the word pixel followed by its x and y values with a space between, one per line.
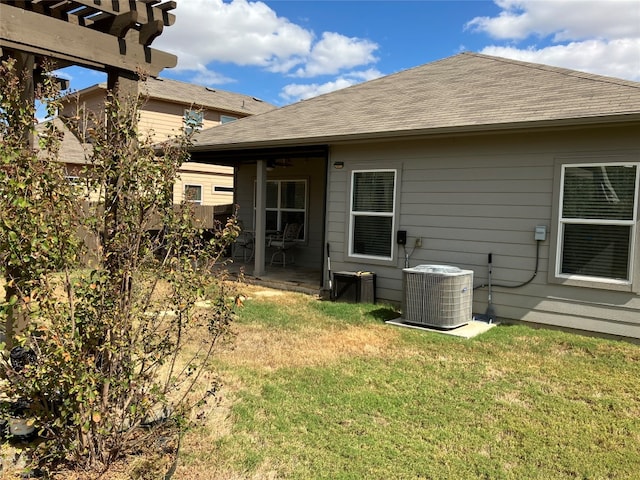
pixel 116 25
pixel 115 17
pixel 146 12
pixel 149 31
pixel 40 34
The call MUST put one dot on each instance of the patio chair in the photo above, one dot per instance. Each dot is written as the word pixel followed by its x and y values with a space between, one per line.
pixel 244 243
pixel 285 242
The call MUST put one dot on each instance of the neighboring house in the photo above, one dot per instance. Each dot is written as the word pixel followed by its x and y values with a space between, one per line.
pixel 468 155
pixel 169 107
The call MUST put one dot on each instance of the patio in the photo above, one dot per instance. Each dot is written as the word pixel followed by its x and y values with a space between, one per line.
pixel 291 278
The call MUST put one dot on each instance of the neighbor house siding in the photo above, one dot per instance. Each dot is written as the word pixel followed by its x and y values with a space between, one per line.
pixel 92 102
pixel 209 176
pixel 467 197
pixel 163 120
pixel 166 119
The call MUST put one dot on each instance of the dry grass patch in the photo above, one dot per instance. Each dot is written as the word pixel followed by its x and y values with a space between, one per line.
pixel 264 345
pixel 261 347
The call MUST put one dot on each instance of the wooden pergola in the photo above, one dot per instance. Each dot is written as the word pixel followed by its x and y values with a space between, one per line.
pixel 113 36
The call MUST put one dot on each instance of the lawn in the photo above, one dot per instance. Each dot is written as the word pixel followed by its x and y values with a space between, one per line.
pixel 320 390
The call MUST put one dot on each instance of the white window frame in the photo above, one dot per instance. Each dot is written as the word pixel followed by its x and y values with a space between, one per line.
pixel 196 115
pixel 556 274
pixel 279 209
pixel 391 215
pixel 184 193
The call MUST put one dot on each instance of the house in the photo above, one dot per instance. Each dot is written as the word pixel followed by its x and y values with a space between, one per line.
pixel 169 107
pixel 474 157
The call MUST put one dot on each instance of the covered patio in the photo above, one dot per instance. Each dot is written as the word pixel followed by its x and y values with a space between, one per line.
pixel 274 188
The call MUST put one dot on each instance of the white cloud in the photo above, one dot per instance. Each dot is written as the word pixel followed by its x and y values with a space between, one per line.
pixel 209 77
pixel 565 19
pixel 335 52
pixel 295 91
pixel 240 32
pixel 249 33
pixel 594 36
pixel 618 58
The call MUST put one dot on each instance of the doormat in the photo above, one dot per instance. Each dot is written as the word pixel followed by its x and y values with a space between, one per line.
pixel 469 330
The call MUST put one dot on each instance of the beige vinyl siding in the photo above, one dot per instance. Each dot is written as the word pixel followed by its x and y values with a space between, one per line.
pixel 467 197
pixel 163 117
pixel 167 119
pixel 77 171
pixel 208 178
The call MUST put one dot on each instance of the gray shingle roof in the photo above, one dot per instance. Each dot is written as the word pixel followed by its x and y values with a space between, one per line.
pixel 187 93
pixel 465 92
pixel 183 93
pixel 73 150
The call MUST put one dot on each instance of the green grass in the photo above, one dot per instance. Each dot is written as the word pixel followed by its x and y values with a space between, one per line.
pixel 513 403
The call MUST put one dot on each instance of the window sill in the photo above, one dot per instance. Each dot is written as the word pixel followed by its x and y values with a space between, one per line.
pixel 362 259
pixel 591 282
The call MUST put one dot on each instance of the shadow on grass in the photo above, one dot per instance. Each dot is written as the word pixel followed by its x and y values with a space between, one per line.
pixel 383 314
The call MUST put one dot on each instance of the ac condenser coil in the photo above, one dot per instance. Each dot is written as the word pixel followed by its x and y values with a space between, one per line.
pixel 437 295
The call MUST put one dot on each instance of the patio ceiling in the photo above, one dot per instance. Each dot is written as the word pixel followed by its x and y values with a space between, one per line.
pixel 251 156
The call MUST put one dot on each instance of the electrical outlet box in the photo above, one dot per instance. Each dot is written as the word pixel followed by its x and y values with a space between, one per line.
pixel 418 243
pixel 401 237
pixel 541 233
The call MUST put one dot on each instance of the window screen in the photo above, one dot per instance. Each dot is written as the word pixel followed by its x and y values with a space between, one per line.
pixel 597 220
pixel 372 213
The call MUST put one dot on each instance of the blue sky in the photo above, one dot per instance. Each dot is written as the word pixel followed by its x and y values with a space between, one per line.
pixel 283 51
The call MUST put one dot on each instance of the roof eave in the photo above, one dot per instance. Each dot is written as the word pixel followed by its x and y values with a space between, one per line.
pixel 207 106
pixel 102 87
pixel 429 132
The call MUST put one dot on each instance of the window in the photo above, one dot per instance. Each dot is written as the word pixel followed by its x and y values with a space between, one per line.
pixel 371 226
pixel 193 193
pixel 193 120
pixel 78 183
pixel 227 118
pixel 286 203
pixel 598 208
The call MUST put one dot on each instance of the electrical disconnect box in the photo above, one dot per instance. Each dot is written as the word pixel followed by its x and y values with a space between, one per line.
pixel 541 233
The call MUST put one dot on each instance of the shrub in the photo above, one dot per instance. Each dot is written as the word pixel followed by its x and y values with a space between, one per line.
pixel 119 349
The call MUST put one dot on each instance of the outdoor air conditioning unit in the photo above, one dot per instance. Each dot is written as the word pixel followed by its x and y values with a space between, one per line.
pixel 437 296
